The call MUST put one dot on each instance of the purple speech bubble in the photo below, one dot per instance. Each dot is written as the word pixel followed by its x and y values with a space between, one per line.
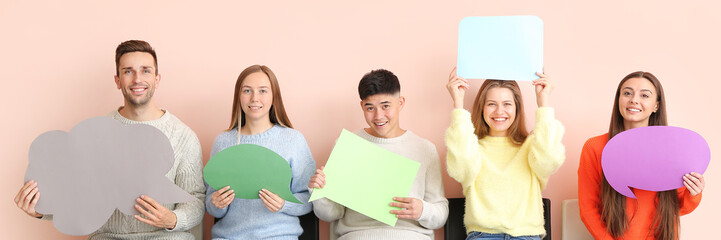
pixel 653 158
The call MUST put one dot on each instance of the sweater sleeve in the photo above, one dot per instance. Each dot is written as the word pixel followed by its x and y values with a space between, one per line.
pixel 463 157
pixel 212 209
pixel 327 210
pixel 435 204
pixel 302 169
pixel 547 152
pixel 687 202
pixel 589 189
pixel 190 179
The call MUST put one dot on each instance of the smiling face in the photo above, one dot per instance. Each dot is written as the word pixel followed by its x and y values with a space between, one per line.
pixel 636 102
pixel 499 111
pixel 256 97
pixel 381 112
pixel 137 78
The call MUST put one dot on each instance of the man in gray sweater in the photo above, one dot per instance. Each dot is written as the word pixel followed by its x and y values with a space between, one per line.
pixel 136 77
pixel 425 208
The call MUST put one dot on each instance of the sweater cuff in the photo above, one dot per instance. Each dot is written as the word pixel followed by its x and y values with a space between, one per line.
pixel 459 115
pixel 180 222
pixel 285 207
pixel 47 217
pixel 544 114
pixel 425 213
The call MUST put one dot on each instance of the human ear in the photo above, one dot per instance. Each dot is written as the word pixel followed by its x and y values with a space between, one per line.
pixel 655 108
pixel 157 80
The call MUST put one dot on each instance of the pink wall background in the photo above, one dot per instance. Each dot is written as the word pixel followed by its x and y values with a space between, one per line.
pixel 57 62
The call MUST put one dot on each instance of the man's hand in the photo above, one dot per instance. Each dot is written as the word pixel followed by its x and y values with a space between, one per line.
pixel 154 214
pixel 411 208
pixel 318 179
pixel 27 198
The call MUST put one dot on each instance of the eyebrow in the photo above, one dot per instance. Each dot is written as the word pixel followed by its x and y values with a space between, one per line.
pixel 246 86
pixel 381 103
pixel 642 90
pixel 143 67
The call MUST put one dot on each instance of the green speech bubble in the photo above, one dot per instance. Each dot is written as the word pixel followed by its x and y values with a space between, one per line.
pixel 248 168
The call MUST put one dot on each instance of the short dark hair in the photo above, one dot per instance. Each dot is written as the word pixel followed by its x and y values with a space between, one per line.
pixel 378 81
pixel 134 46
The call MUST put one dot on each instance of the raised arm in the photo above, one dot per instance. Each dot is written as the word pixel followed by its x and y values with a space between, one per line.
pixel 463 155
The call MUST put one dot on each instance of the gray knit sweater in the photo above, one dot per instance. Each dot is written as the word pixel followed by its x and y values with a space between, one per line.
pixel 428 187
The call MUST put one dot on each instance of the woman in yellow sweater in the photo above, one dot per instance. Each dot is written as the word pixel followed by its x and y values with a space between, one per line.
pixel 501 167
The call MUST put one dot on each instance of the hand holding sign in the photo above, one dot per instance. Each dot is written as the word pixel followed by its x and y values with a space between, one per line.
pixel 654 158
pixel 97 167
pixel 348 183
pixel 247 169
pixel 694 182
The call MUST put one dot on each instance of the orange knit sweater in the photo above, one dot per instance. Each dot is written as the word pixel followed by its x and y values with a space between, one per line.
pixel 640 211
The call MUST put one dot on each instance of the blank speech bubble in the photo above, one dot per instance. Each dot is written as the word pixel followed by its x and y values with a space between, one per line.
pixel 653 158
pixel 100 165
pixel 500 47
pixel 248 168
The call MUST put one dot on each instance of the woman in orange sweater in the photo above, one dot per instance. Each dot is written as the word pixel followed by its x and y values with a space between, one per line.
pixel 606 213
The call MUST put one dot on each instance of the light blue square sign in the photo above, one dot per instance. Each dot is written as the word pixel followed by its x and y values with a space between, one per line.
pixel 500 47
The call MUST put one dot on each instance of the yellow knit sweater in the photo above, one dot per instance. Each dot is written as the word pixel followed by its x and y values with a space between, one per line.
pixel 502 181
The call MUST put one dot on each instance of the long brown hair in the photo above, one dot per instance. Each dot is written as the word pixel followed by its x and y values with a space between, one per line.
pixel 517 131
pixel 277 111
pixel 666 221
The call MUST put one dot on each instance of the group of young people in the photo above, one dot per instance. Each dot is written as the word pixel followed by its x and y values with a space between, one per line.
pixel 502 167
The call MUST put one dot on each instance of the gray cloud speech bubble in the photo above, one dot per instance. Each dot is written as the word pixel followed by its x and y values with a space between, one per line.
pixel 100 165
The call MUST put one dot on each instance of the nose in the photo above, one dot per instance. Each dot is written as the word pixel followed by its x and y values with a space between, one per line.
pixel 377 114
pixel 634 99
pixel 498 109
pixel 136 78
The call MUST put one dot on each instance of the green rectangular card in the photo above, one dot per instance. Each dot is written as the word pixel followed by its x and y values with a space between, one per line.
pixel 365 177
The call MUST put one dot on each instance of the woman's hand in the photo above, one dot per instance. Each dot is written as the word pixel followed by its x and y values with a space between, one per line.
pixel 271 201
pixel 223 197
pixel 543 89
pixel 457 87
pixel 694 182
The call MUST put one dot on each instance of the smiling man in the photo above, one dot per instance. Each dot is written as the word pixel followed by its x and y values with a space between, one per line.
pixel 137 78
pixel 425 208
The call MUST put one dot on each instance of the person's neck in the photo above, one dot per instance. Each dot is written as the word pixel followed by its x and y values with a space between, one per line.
pixel 256 127
pixel 632 125
pixel 393 134
pixel 146 112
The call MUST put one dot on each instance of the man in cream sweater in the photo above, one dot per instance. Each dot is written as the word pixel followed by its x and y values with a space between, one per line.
pixel 137 77
pixel 425 208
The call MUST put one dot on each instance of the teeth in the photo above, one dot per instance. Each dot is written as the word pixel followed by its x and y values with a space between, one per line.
pixel 255 107
pixel 381 124
pixel 137 89
pixel 634 110
pixel 499 119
